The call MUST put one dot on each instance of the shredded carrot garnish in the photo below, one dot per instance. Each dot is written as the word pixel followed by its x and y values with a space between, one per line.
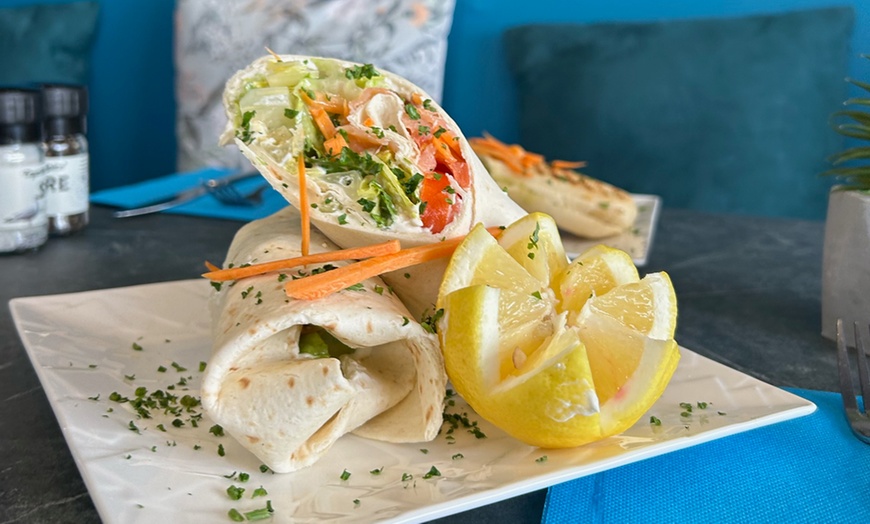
pixel 334 145
pixel 324 123
pixel 334 104
pixel 303 207
pixel 368 122
pixel 416 99
pixel 565 164
pixel 323 284
pixel 235 273
pixel 211 267
pixel 516 158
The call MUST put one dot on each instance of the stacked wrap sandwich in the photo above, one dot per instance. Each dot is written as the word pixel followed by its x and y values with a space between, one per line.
pixel 382 160
pixel 287 377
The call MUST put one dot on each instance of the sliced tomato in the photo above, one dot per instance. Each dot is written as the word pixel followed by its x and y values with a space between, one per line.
pixel 440 206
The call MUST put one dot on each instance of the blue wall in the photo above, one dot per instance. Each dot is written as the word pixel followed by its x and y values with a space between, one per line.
pixel 131 125
pixel 132 119
pixel 479 92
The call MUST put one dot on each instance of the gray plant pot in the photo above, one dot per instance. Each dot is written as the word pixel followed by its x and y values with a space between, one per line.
pixel 846 262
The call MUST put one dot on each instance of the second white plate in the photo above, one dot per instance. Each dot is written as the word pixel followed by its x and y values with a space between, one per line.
pixel 636 241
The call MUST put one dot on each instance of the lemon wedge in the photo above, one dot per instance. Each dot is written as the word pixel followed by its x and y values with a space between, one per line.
pixel 556 354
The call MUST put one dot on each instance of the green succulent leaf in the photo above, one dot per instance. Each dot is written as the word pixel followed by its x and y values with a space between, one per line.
pixel 857 102
pixel 863 85
pixel 854 131
pixel 854 153
pixel 862 117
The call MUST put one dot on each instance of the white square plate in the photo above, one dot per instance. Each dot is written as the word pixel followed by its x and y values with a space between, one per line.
pixel 85 346
pixel 636 241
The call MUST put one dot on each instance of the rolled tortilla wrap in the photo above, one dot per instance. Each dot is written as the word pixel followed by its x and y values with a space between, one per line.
pixel 288 407
pixel 579 204
pixel 382 159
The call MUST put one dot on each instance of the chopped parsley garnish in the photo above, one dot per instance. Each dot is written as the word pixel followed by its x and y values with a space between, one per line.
pixel 537 294
pixel 345 475
pixel 259 492
pixel 247 292
pixel 290 113
pixel 202 366
pixel 377 131
pixel 458 456
pixel 655 421
pixel 244 133
pixel 356 502
pixel 136 347
pixel 356 287
pixel 534 238
pixel 264 468
pixel 412 112
pixel 379 290
pixel 686 406
pixel 541 459
pixel 405 322
pixel 427 104
pixel 438 132
pixel 216 430
pixel 423 130
pixel 178 367
pixel 377 471
pixel 262 513
pixel 348 160
pixel 282 277
pixel 363 71
pixel 235 516
pixel 702 405
pixel 433 472
pixel 424 451
pixel 235 492
pixel 430 322
pixel 132 427
pixel 342 219
pixel 406 477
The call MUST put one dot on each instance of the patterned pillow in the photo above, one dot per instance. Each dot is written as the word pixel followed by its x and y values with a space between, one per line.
pixel 215 38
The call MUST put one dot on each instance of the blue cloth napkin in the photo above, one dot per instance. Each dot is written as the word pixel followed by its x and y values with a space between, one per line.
pixel 159 189
pixel 809 469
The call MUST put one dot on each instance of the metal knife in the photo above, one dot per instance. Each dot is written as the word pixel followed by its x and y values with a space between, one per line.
pixel 187 195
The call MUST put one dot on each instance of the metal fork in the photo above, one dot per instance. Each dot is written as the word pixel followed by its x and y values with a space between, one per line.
pixel 859 419
pixel 229 194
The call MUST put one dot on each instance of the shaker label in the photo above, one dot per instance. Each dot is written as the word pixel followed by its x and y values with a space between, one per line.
pixel 66 184
pixel 22 200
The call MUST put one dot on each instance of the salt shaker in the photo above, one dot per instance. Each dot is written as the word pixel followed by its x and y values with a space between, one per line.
pixel 66 157
pixel 23 219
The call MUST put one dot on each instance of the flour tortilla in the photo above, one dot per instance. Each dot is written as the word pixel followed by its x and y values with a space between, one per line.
pixel 579 204
pixel 287 407
pixel 484 201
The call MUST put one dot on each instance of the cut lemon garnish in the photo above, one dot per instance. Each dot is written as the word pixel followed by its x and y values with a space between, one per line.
pixel 555 354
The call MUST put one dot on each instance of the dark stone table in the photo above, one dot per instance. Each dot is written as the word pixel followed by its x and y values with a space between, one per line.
pixel 748 288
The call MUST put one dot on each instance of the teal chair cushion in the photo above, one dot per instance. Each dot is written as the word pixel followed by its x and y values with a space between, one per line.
pixel 47 42
pixel 728 114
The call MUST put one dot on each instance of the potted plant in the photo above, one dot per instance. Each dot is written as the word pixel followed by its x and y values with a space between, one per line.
pixel 846 261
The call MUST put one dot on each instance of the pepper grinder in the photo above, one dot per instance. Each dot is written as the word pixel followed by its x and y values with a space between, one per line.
pixel 66 156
